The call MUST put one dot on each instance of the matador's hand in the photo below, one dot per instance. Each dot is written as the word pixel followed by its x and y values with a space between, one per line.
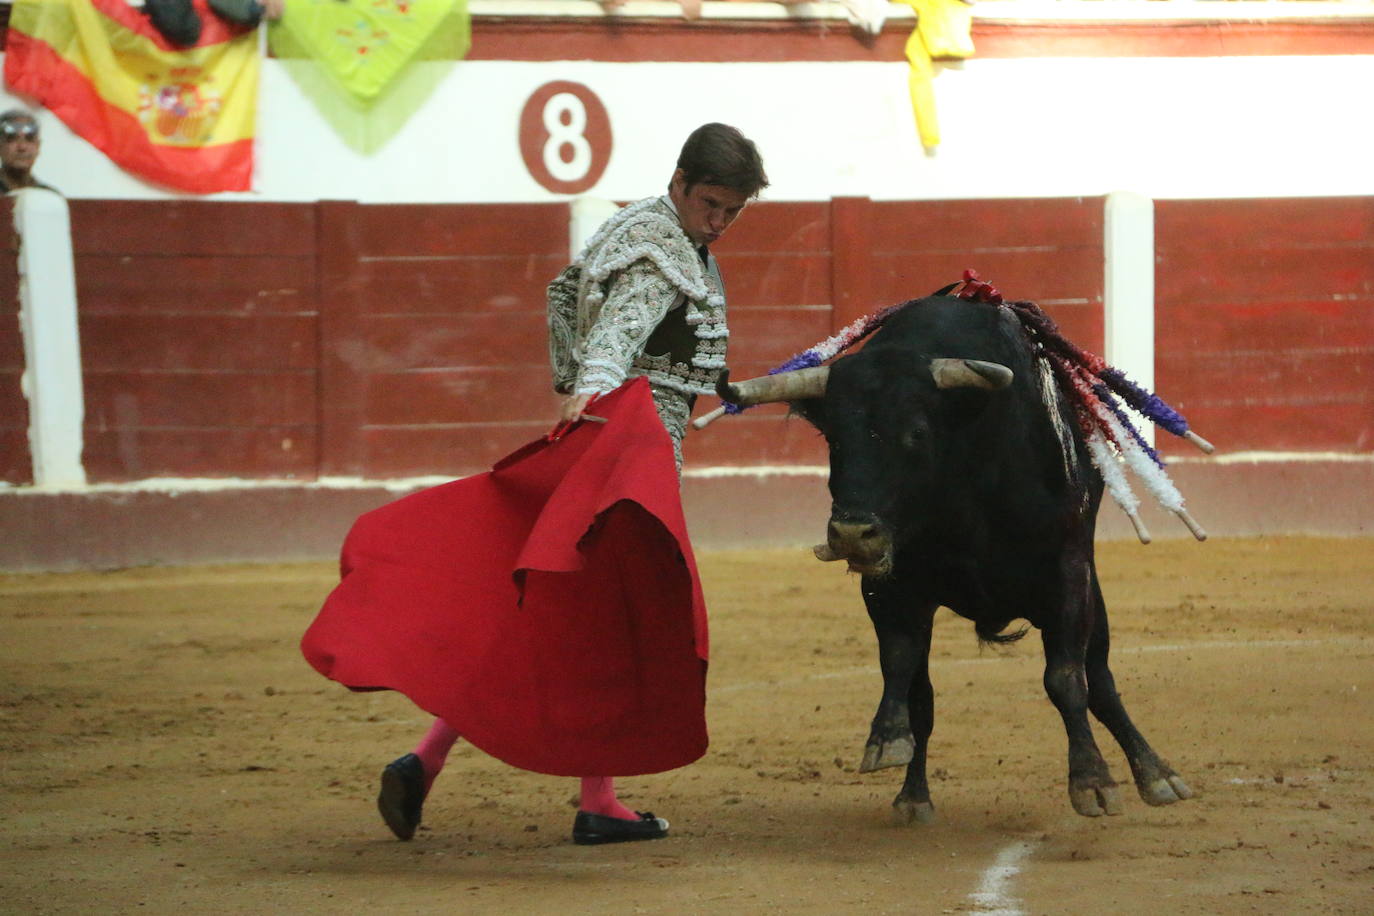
pixel 572 407
pixel 570 412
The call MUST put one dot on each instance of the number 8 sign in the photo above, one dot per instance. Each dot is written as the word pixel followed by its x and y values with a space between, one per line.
pixel 565 137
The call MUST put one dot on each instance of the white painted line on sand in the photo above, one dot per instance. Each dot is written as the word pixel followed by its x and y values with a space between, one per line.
pixel 1242 644
pixel 994 895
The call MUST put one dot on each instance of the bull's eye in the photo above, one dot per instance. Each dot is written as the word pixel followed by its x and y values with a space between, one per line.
pixel 914 438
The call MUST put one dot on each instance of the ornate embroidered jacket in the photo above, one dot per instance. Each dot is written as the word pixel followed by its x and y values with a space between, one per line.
pixel 638 301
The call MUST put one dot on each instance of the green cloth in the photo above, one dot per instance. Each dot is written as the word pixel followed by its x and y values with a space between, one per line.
pixel 368 66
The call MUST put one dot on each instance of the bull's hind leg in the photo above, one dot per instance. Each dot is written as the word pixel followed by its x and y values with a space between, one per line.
pixel 1156 781
pixel 1092 790
pixel 900 650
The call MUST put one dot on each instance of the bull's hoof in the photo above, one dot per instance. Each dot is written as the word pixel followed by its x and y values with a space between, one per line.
pixel 1157 783
pixel 1164 791
pixel 907 811
pixel 1095 801
pixel 894 752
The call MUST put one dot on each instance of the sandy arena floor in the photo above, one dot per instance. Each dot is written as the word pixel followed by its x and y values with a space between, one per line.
pixel 166 749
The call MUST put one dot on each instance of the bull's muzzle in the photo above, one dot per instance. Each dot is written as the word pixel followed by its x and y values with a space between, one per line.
pixel 863 542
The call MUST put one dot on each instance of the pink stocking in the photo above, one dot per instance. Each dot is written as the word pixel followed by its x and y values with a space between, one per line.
pixel 598 797
pixel 433 749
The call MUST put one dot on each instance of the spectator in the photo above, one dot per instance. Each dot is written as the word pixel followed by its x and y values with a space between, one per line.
pixel 19 145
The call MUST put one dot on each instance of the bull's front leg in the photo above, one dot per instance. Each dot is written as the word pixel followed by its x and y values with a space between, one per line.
pixel 912 804
pixel 906 714
pixel 900 651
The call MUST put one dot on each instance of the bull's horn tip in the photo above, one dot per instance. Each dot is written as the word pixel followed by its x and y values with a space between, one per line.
pixel 999 375
pixel 950 372
pixel 724 390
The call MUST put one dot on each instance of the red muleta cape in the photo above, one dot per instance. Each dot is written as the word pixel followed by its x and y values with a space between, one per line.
pixel 549 609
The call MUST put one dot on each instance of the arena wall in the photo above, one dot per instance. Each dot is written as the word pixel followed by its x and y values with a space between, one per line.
pixel 289 365
pixel 260 367
pixel 309 341
pixel 1265 320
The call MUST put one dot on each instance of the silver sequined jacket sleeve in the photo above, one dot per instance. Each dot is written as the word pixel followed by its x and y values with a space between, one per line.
pixel 637 299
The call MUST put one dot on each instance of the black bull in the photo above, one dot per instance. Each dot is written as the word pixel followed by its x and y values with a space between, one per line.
pixel 959 479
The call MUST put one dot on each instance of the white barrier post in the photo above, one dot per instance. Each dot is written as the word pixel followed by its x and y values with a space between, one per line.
pixel 586 216
pixel 1129 291
pixel 52 350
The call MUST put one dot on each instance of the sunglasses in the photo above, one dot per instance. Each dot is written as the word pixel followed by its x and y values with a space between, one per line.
pixel 12 131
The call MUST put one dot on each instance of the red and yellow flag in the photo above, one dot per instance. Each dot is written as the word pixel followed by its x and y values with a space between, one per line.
pixel 179 117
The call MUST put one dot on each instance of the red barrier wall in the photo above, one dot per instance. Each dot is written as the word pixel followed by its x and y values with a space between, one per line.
pixel 1264 317
pixel 337 339
pixel 198 326
pixel 432 334
pixel 15 464
pixel 1048 251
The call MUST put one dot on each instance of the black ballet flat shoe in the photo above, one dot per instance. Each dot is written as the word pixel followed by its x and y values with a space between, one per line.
pixel 594 829
pixel 402 795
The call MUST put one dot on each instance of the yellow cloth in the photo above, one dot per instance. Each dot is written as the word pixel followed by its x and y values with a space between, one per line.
pixel 943 30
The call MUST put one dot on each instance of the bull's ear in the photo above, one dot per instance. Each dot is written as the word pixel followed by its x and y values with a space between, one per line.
pixel 812 410
pixel 969 373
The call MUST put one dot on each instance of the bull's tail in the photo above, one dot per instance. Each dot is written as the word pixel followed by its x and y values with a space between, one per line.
pixel 990 631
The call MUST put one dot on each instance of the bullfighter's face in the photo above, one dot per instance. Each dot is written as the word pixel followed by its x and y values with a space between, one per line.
pixel 705 210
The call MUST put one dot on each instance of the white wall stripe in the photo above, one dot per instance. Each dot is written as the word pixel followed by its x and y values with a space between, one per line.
pixel 1128 307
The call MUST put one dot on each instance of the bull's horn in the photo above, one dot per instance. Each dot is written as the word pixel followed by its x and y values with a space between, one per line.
pixel 767 389
pixel 969 373
pixel 825 554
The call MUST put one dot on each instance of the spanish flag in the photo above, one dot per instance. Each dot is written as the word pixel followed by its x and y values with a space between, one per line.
pixel 180 117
